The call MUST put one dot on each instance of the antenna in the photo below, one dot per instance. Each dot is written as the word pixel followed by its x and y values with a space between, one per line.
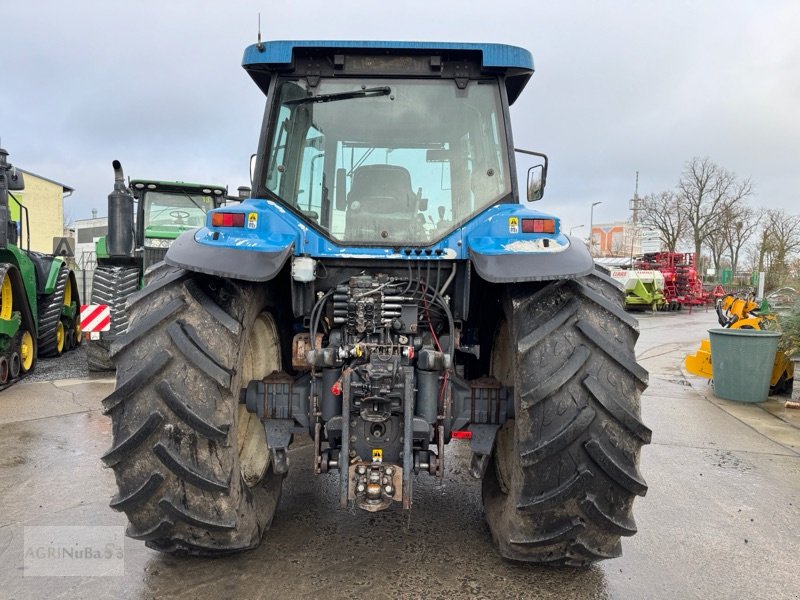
pixel 259 44
pixel 634 203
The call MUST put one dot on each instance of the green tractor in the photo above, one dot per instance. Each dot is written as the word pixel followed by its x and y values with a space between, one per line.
pixel 38 293
pixel 165 210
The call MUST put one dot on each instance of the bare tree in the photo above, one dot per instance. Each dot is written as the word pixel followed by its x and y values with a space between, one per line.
pixel 742 224
pixel 765 249
pixel 705 191
pixel 663 213
pixel 715 242
pixel 781 235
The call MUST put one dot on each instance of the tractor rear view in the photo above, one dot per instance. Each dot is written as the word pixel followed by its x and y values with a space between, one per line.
pixel 384 291
pixel 164 210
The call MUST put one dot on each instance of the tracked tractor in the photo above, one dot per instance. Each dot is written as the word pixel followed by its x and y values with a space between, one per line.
pixel 164 210
pixel 38 293
pixel 385 291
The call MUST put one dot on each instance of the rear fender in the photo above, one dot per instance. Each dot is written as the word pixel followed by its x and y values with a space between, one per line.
pixel 502 252
pixel 261 263
pixel 255 251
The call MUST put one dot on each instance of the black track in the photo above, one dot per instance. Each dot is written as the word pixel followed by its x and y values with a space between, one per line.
pixel 50 308
pixel 111 286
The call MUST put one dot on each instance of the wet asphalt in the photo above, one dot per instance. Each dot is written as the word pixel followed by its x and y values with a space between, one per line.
pixel 721 518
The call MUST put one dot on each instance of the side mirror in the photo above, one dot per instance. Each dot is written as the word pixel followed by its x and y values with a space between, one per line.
pixel 252 170
pixel 537 176
pixel 16 182
pixel 535 183
pixel 341 193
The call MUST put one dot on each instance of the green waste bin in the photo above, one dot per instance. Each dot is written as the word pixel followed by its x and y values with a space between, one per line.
pixel 742 361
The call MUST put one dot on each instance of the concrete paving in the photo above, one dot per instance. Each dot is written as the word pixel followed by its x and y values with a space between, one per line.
pixel 720 520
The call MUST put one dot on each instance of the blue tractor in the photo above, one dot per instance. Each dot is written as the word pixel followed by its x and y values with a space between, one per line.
pixel 384 291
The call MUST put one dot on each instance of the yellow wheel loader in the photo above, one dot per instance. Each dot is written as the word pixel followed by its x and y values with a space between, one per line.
pixel 743 312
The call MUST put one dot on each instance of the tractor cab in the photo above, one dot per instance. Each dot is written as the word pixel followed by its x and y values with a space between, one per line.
pixel 167 209
pixel 400 148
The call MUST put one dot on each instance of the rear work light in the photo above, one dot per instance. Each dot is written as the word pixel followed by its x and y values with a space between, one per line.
pixel 538 225
pixel 225 219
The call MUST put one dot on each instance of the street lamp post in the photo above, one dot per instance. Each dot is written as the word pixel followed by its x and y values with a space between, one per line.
pixel 591 227
pixel 571 229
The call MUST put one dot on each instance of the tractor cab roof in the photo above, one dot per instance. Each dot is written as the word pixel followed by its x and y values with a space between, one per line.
pixel 263 60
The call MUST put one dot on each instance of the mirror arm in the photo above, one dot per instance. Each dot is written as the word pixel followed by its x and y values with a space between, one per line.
pixel 541 155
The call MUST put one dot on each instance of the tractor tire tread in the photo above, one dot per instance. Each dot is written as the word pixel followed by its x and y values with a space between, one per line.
pixel 185 472
pixel 171 394
pixel 192 347
pixel 145 325
pixel 125 447
pixel 560 487
pixel 141 494
pixel 181 486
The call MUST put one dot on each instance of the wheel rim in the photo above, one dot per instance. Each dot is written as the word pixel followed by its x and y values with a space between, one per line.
pixel 78 332
pixel 26 351
pixel 6 298
pixel 60 337
pixel 261 357
pixel 3 370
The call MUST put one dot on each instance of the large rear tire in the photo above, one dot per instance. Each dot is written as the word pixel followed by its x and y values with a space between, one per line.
pixel 111 286
pixel 563 476
pixel 191 465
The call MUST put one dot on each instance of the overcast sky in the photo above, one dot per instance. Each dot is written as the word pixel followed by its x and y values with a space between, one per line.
pixel 619 87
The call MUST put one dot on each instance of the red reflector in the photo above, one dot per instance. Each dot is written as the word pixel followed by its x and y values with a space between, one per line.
pixel 461 435
pixel 223 219
pixel 538 226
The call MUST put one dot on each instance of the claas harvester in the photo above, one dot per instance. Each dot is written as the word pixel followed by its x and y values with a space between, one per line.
pixel 386 290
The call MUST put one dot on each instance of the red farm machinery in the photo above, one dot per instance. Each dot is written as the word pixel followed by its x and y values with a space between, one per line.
pixel 682 285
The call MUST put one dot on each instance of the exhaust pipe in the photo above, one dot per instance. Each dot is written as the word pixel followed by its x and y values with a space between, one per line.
pixel 120 239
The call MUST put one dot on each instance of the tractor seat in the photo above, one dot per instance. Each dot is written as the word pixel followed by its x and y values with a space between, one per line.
pixel 382 189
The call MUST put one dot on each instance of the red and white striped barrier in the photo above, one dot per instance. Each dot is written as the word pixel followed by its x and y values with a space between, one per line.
pixel 95 317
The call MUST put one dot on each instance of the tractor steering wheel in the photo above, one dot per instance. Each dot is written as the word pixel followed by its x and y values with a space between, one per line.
pixel 179 215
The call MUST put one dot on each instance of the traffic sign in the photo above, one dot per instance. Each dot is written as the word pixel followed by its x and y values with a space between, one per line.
pixel 63 246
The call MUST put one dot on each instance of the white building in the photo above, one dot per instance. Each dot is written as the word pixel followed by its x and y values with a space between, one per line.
pixel 87 232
